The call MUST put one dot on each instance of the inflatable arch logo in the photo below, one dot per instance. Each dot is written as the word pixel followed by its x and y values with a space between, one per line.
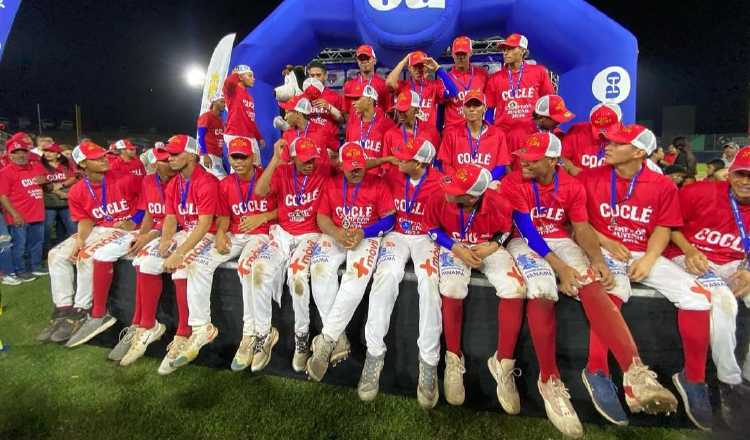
pixel 595 58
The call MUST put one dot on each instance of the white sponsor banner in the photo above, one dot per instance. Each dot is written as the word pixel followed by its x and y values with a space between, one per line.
pixel 217 70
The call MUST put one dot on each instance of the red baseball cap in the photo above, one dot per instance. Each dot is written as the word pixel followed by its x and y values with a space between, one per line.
pixel 475 95
pixel 605 117
pixel 304 148
pixel 417 57
pixel 406 100
pixel 182 143
pixel 312 88
pixel 352 156
pixel 53 148
pixel 553 107
pixel 161 154
pixel 17 142
pixel 123 144
pixel 87 150
pixel 515 40
pixel 420 150
pixel 461 44
pixel 240 145
pixel 741 161
pixel 539 145
pixel 635 135
pixel 467 179
pixel 366 50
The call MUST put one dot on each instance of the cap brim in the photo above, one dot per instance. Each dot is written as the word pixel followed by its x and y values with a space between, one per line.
pixel 561 118
pixel 353 165
pixel 307 157
pixel 243 151
pixel 402 108
pixel 452 189
pixel 474 99
pixel 288 105
pixel 161 154
pixel 98 154
pixel 529 157
pixel 174 149
pixel 402 154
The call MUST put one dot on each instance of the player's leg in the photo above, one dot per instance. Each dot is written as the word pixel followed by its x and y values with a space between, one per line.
pixel 298 282
pixel 62 282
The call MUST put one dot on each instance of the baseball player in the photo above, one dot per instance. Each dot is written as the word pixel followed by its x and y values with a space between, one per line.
pixel 418 182
pixel 126 160
pixel 633 208
pixel 431 91
pixel 409 128
pixel 474 142
pixel 513 90
pixel 584 143
pixel 356 210
pixel 241 108
pixel 367 124
pixel 296 123
pixel 366 61
pixel 328 105
pixel 103 205
pixel 211 137
pixel 297 187
pixel 557 203
pixel 465 76
pixel 713 245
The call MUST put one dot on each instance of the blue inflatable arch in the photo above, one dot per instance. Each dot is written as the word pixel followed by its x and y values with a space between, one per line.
pixel 594 56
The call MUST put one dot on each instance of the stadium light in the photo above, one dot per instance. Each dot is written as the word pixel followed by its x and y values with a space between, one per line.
pixel 194 76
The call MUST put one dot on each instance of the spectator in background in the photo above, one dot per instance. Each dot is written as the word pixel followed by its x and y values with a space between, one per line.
pixel 41 143
pixel 677 173
pixel 59 180
pixel 127 160
pixel 670 154
pixel 728 151
pixel 67 152
pixel 656 160
pixel 685 157
pixel 712 167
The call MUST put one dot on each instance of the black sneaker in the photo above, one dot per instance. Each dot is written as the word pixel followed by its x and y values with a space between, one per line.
pixel 25 277
pixel 58 315
pixel 69 325
pixel 734 409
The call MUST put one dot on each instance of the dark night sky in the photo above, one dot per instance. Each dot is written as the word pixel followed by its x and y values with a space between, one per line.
pixel 123 61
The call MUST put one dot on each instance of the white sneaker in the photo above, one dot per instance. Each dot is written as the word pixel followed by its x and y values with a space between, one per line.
pixel 503 372
pixel 263 347
pixel 558 407
pixel 123 345
pixel 317 365
pixel 369 381
pixel 141 341
pixel 173 350
pixel 202 335
pixel 11 280
pixel 644 393
pixel 244 355
pixel 453 379
pixel 301 352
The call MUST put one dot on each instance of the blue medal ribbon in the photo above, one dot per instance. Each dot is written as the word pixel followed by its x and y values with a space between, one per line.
pixel 414 131
pixel 184 192
pixel 362 136
pixel 515 86
pixel 600 152
pixel 467 86
pixel 538 199
pixel 299 190
pixel 159 186
pixel 245 200
pixel 346 206
pixel 466 226
pixel 613 192
pixel 473 148
pixel 740 224
pixel 410 203
pixel 103 202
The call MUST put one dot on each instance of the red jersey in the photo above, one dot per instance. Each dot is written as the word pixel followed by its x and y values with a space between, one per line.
pixel 369 134
pixel 323 140
pixel 60 174
pixel 20 184
pixel 526 85
pixel 406 195
pixel 322 119
pixel 654 202
pixel 239 200
pixel 187 199
pixel 398 135
pixel 214 132
pixel 151 199
pixel 709 222
pixel 493 215
pixel 133 166
pixel 298 197
pixel 432 92
pixel 669 158
pixel 561 201
pixel 473 79
pixel 377 82
pixel 240 109
pixel 581 147
pixel 4 160
pixel 368 201
pixel 455 149
pixel 105 210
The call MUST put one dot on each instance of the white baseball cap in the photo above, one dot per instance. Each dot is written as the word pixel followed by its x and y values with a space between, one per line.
pixel 406 100
pixel 539 145
pixel 243 68
pixel 421 150
pixel 635 135
pixel 313 82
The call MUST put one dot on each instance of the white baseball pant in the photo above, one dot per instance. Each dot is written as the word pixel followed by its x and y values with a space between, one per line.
pixel 395 251
pixel 61 266
pixel 541 282
pixel 498 267
pixel 251 268
pixel 217 166
pixel 337 304
pixel 723 321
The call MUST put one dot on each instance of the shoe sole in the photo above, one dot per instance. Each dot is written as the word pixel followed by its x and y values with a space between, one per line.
pixel 426 403
pixel 654 405
pixel 596 405
pixel 102 328
pixel 558 425
pixel 503 403
pixel 309 370
pixel 5 283
pixel 367 396
pixel 686 402
pixel 274 335
pixel 159 334
pixel 211 339
pixel 37 274
pixel 28 280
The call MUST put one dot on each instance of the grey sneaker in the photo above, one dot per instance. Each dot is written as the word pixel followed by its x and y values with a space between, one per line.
pixel 263 347
pixel 123 345
pixel 369 381
pixel 317 365
pixel 11 280
pixel 58 315
pixel 301 351
pixel 244 355
pixel 341 350
pixel 144 337
pixel 70 324
pixel 428 391
pixel 25 277
pixel 89 329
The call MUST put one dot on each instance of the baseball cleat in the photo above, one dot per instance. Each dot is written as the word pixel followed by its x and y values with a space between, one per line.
pixel 144 337
pixel 695 398
pixel 644 393
pixel 263 347
pixel 244 355
pixel 341 350
pixel 453 379
pixel 558 407
pixel 72 321
pixel 604 396
pixel 317 365
pixel 369 381
pixel 503 372
pixel 123 345
pixel 301 352
pixel 428 391
pixel 173 350
pixel 89 329
pixel 202 336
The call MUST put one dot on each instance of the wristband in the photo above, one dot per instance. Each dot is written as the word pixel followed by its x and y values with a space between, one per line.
pixel 528 231
pixel 439 236
pixel 380 227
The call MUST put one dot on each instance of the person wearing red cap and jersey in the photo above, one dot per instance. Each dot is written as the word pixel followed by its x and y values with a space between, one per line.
pixel 368 124
pixel 59 180
pixel 22 202
pixel 409 128
pixel 297 123
pixel 584 143
pixel 103 204
pixel 241 106
pixel 713 244
pixel 297 187
pixel 474 142
pixel 211 136
pixel 431 91
pixel 513 90
pixel 465 76
pixel 549 112
pixel 355 212
pixel 557 203
pixel 328 105
pixel 127 160
pixel 633 210
pixel 412 185
pixel 366 61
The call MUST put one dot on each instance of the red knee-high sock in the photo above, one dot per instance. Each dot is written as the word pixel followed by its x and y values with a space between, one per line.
pixel 509 320
pixel 607 325
pixel 103 272
pixel 695 327
pixel 542 325
pixel 137 309
pixel 598 348
pixel 150 287
pixel 453 318
pixel 180 288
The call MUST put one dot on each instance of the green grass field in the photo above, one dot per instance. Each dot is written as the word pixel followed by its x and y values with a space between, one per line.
pixel 47 391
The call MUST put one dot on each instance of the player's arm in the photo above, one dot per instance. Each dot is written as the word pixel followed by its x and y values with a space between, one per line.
pixel 327 226
pixel 695 261
pixel 221 243
pixel 568 166
pixel 146 233
pixel 392 80
pixel 374 163
pixel 657 242
pixel 614 247
pixel 263 185
pixel 250 222
pixel 585 236
pixel 168 229
pixel 196 235
pixel 8 207
pixel 85 226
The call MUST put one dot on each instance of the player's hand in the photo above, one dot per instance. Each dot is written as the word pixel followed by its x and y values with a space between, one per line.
pixel 603 274
pixel 164 247
pixel 353 238
pixel 696 262
pixel 140 242
pixel 739 282
pixel 467 255
pixel 641 268
pixel 278 147
pixel 484 250
pixel 127 225
pixel 321 103
pixel 249 223
pixel 76 250
pixel 341 237
pixel 431 65
pixel 617 250
pixel 570 280
pixel 173 262
pixel 17 219
pixel 221 244
pixel 207 162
